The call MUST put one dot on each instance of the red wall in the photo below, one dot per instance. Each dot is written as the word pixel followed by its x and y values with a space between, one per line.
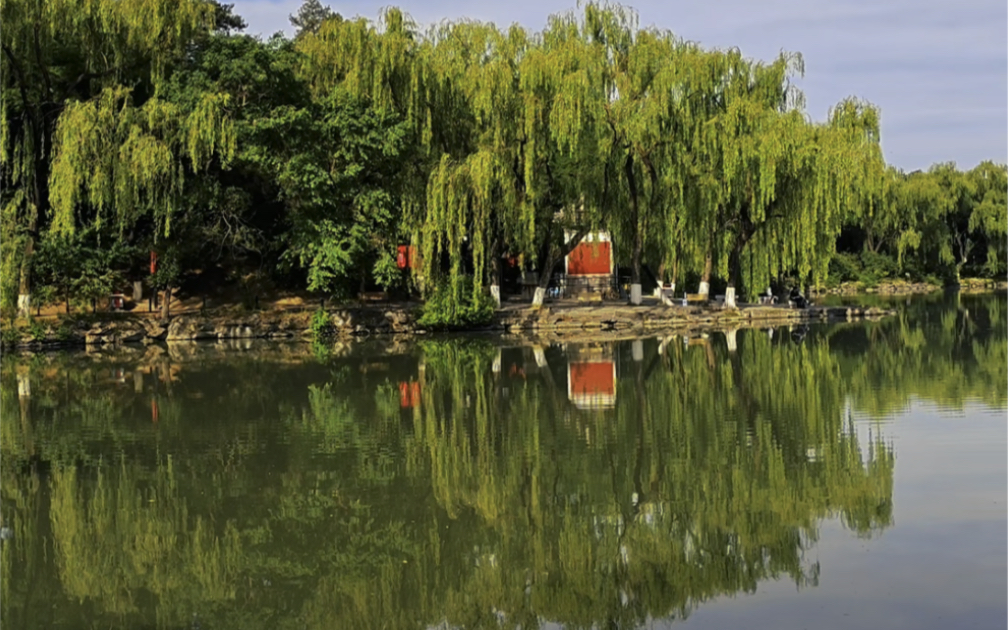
pixel 589 259
pixel 592 378
pixel 406 257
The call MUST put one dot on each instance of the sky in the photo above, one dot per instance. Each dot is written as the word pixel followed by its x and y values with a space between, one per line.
pixel 937 69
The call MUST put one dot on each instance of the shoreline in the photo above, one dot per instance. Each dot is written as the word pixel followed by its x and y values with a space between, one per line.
pixel 558 320
pixel 565 319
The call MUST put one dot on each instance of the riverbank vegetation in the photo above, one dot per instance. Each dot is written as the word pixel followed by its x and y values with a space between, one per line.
pixel 152 140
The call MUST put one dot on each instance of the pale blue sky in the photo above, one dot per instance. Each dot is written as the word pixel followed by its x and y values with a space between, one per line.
pixel 938 69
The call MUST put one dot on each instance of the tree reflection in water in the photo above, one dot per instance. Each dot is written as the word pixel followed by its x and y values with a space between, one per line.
pixel 460 481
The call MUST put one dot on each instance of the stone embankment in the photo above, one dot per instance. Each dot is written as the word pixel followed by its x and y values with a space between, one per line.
pixel 401 320
pixel 907 288
pixel 660 317
pixel 276 325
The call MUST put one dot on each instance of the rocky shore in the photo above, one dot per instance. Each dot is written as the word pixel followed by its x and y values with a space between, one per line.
pixel 363 321
pixel 908 288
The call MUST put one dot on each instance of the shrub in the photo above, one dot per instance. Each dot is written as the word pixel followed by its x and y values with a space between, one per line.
pixel 878 267
pixel 845 267
pixel 10 335
pixel 64 332
pixel 37 329
pixel 321 325
pixel 446 309
pixel 868 268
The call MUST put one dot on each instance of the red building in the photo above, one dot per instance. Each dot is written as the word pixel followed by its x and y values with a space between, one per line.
pixel 590 265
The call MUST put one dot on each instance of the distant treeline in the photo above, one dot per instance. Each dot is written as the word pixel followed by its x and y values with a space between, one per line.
pixel 139 126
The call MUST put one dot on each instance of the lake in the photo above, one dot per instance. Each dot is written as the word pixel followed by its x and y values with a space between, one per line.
pixel 825 476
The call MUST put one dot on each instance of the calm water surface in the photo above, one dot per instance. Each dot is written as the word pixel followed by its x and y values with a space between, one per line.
pixel 845 476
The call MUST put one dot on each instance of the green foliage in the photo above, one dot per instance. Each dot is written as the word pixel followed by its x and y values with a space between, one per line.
pixel 338 163
pixel 943 222
pixel 156 124
pixel 37 330
pixel 167 273
pixel 63 332
pixel 310 16
pixel 447 308
pixel 845 267
pixel 321 325
pixel 876 267
pixel 10 335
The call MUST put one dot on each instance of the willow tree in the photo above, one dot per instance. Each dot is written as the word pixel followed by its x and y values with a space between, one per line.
pixel 474 197
pixel 969 212
pixel 125 161
pixel 989 215
pixel 57 55
pixel 654 85
pixel 778 187
pixel 522 175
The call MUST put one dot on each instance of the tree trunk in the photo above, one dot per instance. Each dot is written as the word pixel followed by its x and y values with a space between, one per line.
pixel 553 255
pixel 495 268
pixel 635 258
pixel 165 303
pixel 24 287
pixel 735 270
pixel 705 277
pixel 638 237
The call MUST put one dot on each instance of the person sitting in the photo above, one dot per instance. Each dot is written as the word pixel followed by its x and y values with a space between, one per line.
pixel 797 300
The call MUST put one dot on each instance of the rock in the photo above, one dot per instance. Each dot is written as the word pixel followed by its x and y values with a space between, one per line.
pixel 135 336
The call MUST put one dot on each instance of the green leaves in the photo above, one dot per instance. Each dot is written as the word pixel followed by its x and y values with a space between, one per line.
pixel 467 141
pixel 339 164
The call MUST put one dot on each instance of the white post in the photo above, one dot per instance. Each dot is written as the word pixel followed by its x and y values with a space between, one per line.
pixel 730 336
pixel 637 350
pixel 635 293
pixel 704 288
pixel 24 385
pixel 729 297
pixel 540 295
pixel 540 356
pixel 495 294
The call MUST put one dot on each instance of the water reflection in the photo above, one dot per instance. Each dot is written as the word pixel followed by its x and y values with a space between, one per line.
pixel 461 481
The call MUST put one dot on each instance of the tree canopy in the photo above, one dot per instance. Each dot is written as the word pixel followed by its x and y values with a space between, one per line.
pixel 161 125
